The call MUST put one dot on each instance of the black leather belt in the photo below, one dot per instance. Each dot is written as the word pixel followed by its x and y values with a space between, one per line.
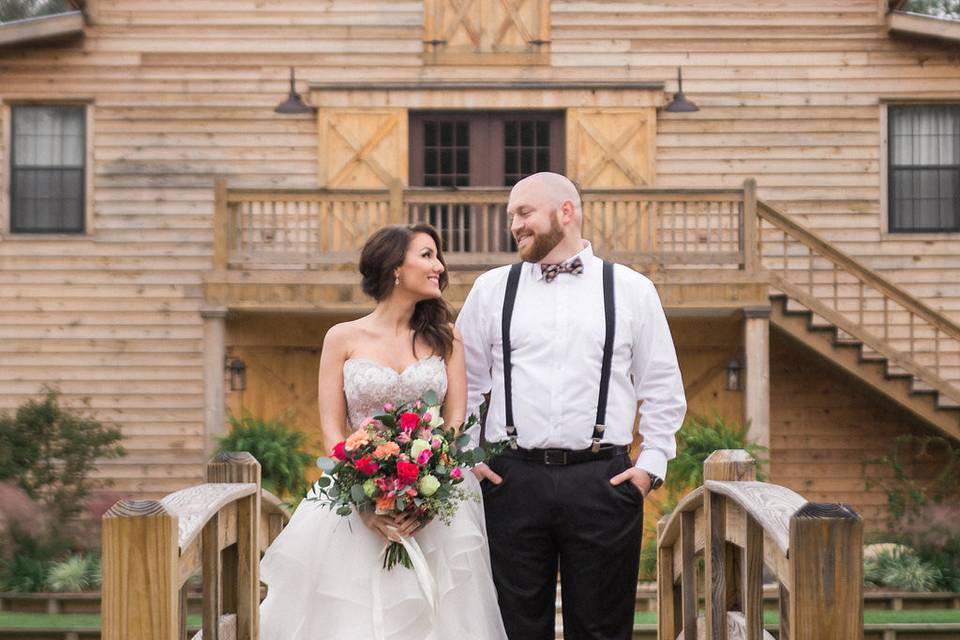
pixel 565 456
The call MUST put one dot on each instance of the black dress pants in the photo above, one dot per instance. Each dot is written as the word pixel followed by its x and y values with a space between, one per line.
pixel 545 517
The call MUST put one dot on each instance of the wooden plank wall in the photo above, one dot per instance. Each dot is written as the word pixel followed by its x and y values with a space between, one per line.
pixel 824 425
pixel 184 90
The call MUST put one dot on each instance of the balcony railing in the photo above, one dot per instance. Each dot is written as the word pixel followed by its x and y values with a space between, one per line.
pixel 321 229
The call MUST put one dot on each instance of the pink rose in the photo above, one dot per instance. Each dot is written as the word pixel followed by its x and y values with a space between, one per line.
pixel 435 443
pixel 424 457
pixel 407 472
pixel 456 474
pixel 427 417
pixel 366 466
pixel 388 406
pixel 409 421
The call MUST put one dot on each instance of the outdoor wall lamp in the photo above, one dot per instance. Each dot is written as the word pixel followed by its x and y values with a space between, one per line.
pixel 238 374
pixel 294 103
pixel 680 104
pixel 734 379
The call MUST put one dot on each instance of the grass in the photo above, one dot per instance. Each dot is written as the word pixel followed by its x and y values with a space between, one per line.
pixel 13 620
pixel 10 620
pixel 909 616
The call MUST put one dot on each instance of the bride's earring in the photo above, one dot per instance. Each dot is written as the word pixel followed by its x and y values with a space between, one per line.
pixel 396 280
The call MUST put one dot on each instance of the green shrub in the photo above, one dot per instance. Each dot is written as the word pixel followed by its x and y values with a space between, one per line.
pixel 945 557
pixel 75 573
pixel 26 567
pixel 902 570
pixel 278 449
pixel 696 440
pixel 49 452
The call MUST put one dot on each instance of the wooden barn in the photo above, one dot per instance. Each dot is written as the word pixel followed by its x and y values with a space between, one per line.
pixel 162 225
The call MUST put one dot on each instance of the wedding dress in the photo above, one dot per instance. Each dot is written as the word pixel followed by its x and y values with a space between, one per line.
pixel 324 572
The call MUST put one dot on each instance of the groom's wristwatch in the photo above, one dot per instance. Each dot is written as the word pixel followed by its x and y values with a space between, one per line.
pixel 655 481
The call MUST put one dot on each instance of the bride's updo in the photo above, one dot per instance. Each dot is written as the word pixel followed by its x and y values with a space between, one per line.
pixel 382 254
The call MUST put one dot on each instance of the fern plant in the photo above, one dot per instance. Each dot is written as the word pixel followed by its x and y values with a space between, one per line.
pixel 278 448
pixel 696 441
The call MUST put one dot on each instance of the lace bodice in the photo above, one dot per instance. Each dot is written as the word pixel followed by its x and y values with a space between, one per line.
pixel 367 385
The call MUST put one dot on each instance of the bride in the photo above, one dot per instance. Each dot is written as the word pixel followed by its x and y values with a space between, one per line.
pixel 323 572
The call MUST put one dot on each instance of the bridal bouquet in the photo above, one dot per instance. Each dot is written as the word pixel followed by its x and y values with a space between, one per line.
pixel 400 461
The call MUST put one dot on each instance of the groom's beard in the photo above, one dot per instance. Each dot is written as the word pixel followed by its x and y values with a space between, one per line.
pixel 544 243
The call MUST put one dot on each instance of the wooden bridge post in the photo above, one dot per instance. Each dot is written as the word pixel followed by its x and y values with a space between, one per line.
pixel 240 584
pixel 140 581
pixel 826 565
pixel 722 564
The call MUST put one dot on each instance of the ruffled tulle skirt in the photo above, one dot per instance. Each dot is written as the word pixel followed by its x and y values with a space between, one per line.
pixel 320 574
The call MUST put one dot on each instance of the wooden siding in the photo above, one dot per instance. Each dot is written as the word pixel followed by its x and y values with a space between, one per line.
pixel 790 93
pixel 824 425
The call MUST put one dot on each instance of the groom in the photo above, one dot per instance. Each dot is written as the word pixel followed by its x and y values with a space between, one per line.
pixel 567 345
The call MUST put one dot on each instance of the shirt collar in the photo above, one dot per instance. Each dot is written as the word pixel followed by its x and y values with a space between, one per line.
pixel 585 255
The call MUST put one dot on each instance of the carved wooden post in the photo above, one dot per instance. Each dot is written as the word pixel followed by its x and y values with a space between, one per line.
pixel 140 576
pixel 826 563
pixel 721 580
pixel 241 569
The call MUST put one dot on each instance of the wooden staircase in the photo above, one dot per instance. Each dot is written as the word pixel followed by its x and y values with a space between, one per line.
pixel 860 321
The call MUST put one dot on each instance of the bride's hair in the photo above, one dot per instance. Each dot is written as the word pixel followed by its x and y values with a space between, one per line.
pixel 382 253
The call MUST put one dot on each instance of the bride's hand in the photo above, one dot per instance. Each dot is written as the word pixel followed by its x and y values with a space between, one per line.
pixel 386 526
pixel 407 524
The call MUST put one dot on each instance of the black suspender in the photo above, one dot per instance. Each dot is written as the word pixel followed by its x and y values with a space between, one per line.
pixel 609 312
pixel 609 307
pixel 513 280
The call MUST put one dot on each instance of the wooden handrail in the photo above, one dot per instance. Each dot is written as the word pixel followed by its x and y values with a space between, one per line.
pixel 814 550
pixel 825 249
pixel 151 548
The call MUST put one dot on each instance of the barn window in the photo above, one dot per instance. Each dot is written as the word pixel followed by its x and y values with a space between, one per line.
pixel 924 152
pixel 47 169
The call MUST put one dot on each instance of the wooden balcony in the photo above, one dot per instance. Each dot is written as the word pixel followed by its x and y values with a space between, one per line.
pixel 298 249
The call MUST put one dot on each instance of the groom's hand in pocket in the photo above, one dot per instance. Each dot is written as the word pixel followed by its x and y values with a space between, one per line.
pixel 483 472
pixel 639 478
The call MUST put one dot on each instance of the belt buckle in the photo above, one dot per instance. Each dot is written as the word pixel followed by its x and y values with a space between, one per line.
pixel 555 457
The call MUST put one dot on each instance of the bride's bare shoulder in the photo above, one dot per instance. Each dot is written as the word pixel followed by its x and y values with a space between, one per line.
pixel 343 335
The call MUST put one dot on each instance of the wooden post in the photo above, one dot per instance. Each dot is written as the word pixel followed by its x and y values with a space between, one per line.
pixel 688 579
pixel 140 576
pixel 752 565
pixel 212 578
pixel 397 213
pixel 722 580
pixel 826 565
pixel 750 227
pixel 244 585
pixel 756 340
pixel 214 359
pixel 221 224
pixel 666 595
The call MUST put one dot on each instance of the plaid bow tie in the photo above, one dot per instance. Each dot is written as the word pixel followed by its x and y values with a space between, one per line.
pixel 551 271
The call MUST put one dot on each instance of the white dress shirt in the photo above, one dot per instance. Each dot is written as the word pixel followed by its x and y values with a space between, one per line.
pixel 557 337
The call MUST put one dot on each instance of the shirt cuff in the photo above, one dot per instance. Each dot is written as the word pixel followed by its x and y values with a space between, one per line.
pixel 652 461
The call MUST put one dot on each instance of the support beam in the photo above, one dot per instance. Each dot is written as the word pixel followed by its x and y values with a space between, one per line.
pixel 756 340
pixel 214 354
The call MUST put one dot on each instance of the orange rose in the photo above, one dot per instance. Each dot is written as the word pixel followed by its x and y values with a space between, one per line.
pixel 387 450
pixel 357 439
pixel 386 503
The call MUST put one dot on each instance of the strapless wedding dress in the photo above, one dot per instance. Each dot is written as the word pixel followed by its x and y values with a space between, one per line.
pixel 321 570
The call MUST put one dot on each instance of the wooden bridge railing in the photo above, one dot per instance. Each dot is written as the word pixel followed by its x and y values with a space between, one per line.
pixel 151 548
pixel 325 228
pixel 815 552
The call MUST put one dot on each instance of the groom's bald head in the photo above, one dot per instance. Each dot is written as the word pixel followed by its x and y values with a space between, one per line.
pixel 553 190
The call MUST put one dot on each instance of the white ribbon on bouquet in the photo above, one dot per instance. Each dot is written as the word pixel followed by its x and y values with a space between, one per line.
pixel 428 585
